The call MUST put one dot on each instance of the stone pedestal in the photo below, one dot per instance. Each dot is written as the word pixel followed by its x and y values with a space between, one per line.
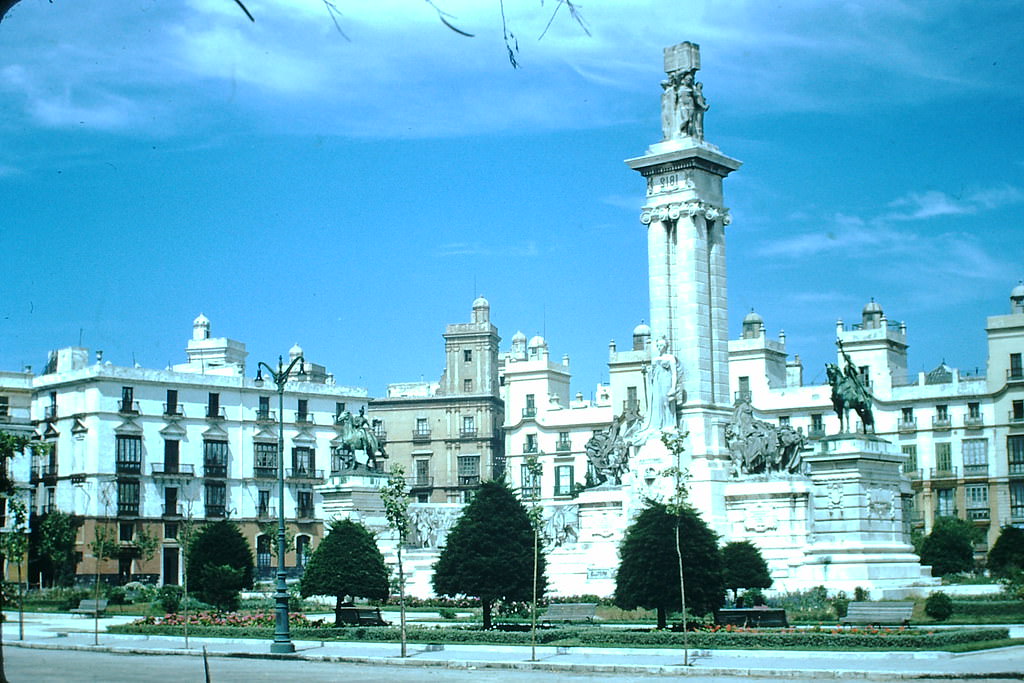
pixel 774 515
pixel 588 562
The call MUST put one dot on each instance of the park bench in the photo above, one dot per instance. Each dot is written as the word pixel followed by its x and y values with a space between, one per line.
pixel 752 617
pixel 95 608
pixel 566 612
pixel 878 613
pixel 360 616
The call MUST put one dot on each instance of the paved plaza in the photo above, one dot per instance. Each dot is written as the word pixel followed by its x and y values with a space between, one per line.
pixel 53 641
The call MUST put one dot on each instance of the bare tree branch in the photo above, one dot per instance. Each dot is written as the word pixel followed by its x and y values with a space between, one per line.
pixel 246 10
pixel 511 42
pixel 443 16
pixel 333 11
pixel 574 12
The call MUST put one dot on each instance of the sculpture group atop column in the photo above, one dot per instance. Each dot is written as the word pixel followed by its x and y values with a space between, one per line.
pixel 682 102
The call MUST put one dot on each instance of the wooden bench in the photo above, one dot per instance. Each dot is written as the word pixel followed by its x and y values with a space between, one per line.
pixel 752 617
pixel 360 616
pixel 567 612
pixel 878 613
pixel 91 607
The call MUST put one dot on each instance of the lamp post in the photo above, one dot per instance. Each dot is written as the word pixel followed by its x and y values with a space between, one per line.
pixel 282 636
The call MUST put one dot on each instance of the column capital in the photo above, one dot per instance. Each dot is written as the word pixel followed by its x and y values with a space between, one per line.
pixel 671 211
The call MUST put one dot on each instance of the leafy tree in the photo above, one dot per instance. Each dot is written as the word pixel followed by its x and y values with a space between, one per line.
pixel 938 606
pixel 14 546
pixel 395 496
pixel 949 548
pixel 1007 553
pixel 490 552
pixel 743 566
pixel 346 563
pixel 648 568
pixel 53 548
pixel 220 564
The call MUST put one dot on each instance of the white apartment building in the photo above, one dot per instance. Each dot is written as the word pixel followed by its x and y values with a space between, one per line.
pixel 148 450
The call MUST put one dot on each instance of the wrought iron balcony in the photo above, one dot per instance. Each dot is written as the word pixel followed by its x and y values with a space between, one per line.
pixel 128 407
pixel 266 416
pixel 1017 513
pixel 160 469
pixel 530 448
pixel 266 512
pixel 304 474
pixel 303 417
pixel 738 396
pixel 974 422
pixel 907 425
pixel 914 475
pixel 469 433
pixel 421 435
pixel 563 445
pixel 216 413
pixel 173 510
pixel 420 482
pixel 941 423
pixel 469 479
pixel 174 410
pixel 1016 417
pixel 1015 375
pixel 942 473
pixel 216 511
pixel 530 412
pixel 305 512
pixel 50 412
pixel 816 432
pixel 1016 467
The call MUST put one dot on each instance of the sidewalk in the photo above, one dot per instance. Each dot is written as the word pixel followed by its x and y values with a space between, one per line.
pixel 65 632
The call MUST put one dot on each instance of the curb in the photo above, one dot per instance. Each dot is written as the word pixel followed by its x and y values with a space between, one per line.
pixel 553 667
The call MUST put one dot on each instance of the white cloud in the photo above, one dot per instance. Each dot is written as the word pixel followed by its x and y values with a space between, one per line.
pixel 917 206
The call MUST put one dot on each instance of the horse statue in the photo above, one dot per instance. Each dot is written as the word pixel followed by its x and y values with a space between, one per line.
pixel 356 434
pixel 848 392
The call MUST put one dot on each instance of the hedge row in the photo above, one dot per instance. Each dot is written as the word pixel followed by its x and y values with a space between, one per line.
pixel 1010 610
pixel 895 639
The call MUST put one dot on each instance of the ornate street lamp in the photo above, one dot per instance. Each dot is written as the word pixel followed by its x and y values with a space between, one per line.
pixel 282 636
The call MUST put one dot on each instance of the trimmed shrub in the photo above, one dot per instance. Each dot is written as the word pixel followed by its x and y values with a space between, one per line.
pixel 938 606
pixel 169 598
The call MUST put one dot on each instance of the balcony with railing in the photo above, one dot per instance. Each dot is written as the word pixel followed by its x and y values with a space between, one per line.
pixel 905 425
pixel 979 514
pixel 303 417
pixel 173 510
pixel 1015 375
pixel 129 508
pixel 1015 468
pixel 468 433
pixel 948 472
pixel 128 467
pixel 216 511
pixel 1016 417
pixel 50 412
pixel 215 469
pixel 529 412
pixel 469 479
pixel 816 432
pixel 266 512
pixel 974 422
pixel 128 407
pixel 563 445
pixel 264 472
pixel 304 474
pixel 266 416
pixel 631 405
pixel 1017 513
pixel 976 470
pixel 160 469
pixel 216 413
pixel 914 475
pixel 745 396
pixel 421 434
pixel 173 410
pixel 529 447
pixel 419 482
pixel 941 424
pixel 305 512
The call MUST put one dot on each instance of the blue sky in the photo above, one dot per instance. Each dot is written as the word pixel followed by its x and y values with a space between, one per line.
pixel 161 159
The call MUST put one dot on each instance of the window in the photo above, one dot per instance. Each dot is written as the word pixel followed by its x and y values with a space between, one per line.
pixel 422 427
pixel 911 454
pixel 632 403
pixel 942 412
pixel 864 371
pixel 301 550
pixel 263 412
pixel 216 499
pixel 5 406
pixel 1017 501
pixel 128 497
pixel 1015 454
pixel 1016 366
pixel 974 410
pixel 171 405
pixel 51 412
pixel 976 497
pixel 563 480
pixel 171 501
pixel 469 470
pixel 468 425
pixel 467 356
pixel 1017 412
pixel 126 532
pixel 907 415
pixel 304 504
pixel 531 406
pixel 784 420
pixel 263 554
pixel 339 408
pixel 266 459
pixel 744 389
pixel 531 483
pixel 531 444
pixel 467 385
pixel 975 457
pixel 817 423
pixel 944 505
pixel 171 530
pixel 564 442
pixel 263 503
pixel 302 410
pixel 127 400
pixel 943 458
pixel 215 458
pixel 422 472
pixel 128 454
pixel 172 455
pixel 303 460
pixel 213 405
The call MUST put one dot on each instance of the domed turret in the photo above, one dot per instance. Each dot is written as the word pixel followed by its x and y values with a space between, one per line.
pixel 871 316
pixel 519 346
pixel 537 348
pixel 641 336
pixel 1017 298
pixel 481 310
pixel 201 327
pixel 295 351
pixel 753 324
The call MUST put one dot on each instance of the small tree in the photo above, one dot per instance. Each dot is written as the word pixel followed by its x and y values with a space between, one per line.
pixel 346 563
pixel 1007 552
pixel 220 564
pixel 489 553
pixel 14 546
pixel 949 548
pixel 55 547
pixel 649 571
pixel 743 566
pixel 395 496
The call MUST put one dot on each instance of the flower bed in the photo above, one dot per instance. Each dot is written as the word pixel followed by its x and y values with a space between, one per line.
pixel 260 625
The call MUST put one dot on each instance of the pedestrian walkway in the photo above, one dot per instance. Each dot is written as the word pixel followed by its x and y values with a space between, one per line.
pixel 65 632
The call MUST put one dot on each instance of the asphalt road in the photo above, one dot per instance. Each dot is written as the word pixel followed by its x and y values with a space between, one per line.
pixel 64 666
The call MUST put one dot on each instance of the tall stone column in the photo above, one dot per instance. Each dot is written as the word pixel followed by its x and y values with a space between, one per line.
pixel 686 219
